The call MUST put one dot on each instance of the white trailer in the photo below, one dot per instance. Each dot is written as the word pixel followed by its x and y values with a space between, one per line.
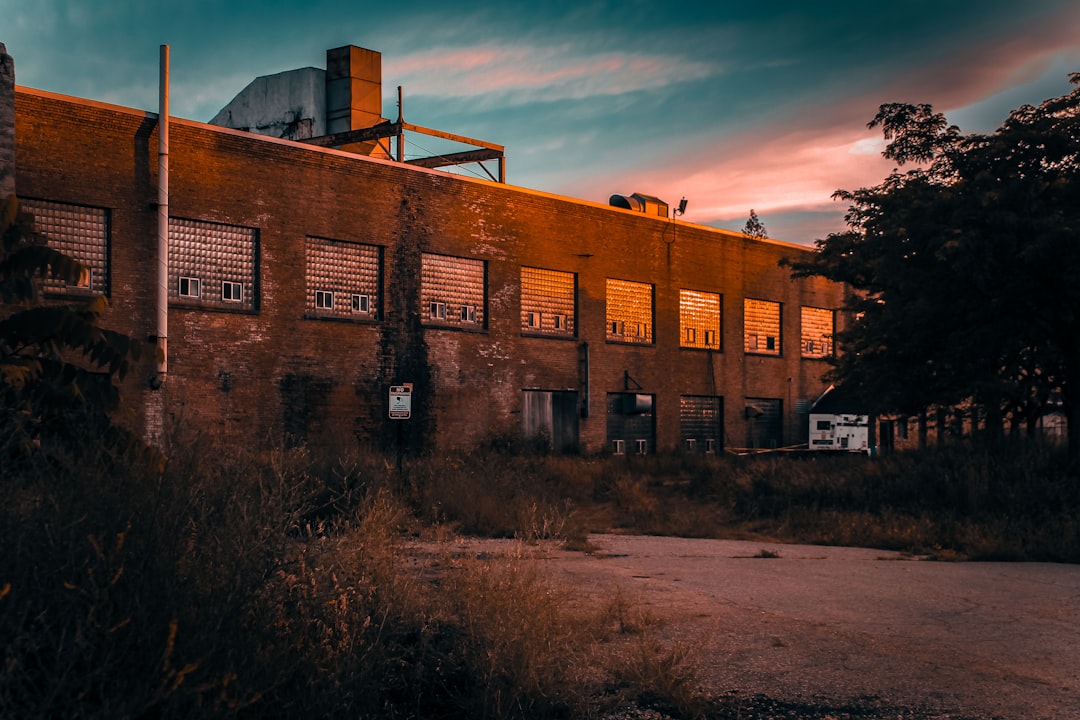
pixel 844 432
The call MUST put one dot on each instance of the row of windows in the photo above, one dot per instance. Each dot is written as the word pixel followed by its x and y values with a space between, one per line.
pixel 214 264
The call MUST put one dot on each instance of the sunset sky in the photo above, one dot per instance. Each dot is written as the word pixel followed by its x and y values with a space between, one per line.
pixel 732 105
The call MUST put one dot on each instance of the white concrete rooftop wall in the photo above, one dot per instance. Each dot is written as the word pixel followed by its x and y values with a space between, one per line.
pixel 289 105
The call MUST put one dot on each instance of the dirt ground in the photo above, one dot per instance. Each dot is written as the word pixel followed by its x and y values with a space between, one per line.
pixel 846 627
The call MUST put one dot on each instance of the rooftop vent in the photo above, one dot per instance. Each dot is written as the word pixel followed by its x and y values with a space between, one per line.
pixel 642 203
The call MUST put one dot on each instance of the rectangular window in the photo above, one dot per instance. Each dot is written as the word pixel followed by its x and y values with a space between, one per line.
pixel 762 326
pixel 817 332
pixel 699 316
pixel 641 446
pixel 618 447
pixel 700 421
pixel 222 257
pixel 630 421
pixel 629 306
pixel 188 287
pixel 345 269
pixel 79 232
pixel 548 301
pixel 460 283
pixel 361 304
pixel 232 291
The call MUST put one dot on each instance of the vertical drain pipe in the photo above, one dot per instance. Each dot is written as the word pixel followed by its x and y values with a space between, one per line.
pixel 163 224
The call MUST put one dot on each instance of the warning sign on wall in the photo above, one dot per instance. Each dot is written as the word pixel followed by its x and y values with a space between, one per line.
pixel 401 402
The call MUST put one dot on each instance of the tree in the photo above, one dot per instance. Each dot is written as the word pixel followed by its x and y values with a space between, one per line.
pixel 58 368
pixel 964 268
pixel 754 227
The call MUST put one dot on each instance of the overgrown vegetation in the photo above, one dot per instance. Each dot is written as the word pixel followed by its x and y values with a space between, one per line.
pixel 230 586
pixel 1019 501
pixel 281 586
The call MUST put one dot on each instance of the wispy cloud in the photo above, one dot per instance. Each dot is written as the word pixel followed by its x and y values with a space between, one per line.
pixel 516 75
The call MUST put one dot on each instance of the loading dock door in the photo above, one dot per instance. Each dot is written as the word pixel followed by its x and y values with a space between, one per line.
pixel 631 428
pixel 764 422
pixel 551 415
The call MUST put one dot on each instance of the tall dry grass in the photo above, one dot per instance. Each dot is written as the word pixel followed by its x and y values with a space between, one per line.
pixel 1015 501
pixel 282 585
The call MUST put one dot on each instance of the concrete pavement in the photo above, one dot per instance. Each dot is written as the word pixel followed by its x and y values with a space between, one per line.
pixel 826 624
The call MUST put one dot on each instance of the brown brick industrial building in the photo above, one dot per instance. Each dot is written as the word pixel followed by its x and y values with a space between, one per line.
pixel 304 282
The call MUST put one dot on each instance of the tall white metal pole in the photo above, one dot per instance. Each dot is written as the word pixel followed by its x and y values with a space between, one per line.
pixel 163 222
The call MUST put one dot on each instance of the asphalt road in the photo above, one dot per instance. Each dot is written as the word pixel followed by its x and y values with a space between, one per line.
pixel 829 625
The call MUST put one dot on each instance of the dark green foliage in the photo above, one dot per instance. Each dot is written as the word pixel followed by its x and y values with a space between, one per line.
pixel 965 267
pixel 57 365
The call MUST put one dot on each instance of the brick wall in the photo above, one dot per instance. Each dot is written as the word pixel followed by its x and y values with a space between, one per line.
pixel 256 376
pixel 7 123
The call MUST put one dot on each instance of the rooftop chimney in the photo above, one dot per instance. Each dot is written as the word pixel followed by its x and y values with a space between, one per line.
pixel 353 93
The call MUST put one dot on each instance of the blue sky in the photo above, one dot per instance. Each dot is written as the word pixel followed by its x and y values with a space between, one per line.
pixel 733 105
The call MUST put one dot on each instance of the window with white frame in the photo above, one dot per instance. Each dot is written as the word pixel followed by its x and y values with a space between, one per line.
pixel 212 264
pixel 817 332
pixel 761 320
pixel 699 317
pixel 232 291
pixel 78 231
pixel 629 311
pixel 340 269
pixel 188 287
pixel 456 283
pixel 361 304
pixel 548 301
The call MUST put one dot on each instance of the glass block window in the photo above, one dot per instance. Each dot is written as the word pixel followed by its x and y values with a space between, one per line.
pixel 699 320
pixel 817 332
pixel 631 426
pixel 453 291
pixel 548 300
pixel 701 423
pixel 80 232
pixel 629 311
pixel 342 279
pixel 762 327
pixel 211 264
